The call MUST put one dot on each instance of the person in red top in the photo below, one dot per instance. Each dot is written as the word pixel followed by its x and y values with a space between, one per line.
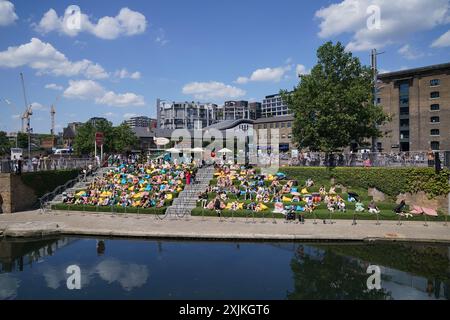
pixel 188 177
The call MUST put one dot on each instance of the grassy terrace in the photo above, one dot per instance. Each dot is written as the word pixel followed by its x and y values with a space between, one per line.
pixel 392 181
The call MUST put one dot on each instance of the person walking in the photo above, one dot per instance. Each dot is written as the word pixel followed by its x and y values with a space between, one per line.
pixel 217 206
pixel 35 163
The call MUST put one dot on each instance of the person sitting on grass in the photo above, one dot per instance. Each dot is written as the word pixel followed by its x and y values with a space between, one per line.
pixel 322 191
pixel 341 205
pixel 373 208
pixel 400 208
pixel 309 183
pixel 331 206
pixel 332 190
pixel 251 206
pixel 359 206
pixel 235 206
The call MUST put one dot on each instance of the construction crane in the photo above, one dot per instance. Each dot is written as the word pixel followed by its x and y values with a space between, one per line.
pixel 52 114
pixel 26 115
pixel 28 110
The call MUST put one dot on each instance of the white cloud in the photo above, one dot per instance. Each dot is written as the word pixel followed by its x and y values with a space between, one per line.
pixel 442 41
pixel 212 90
pixel 123 74
pixel 44 58
pixel 91 90
pixel 111 98
pixel 84 90
pixel 53 86
pixel 129 115
pixel 409 53
pixel 15 116
pixel 266 74
pixel 399 19
pixel 7 13
pixel 301 70
pixel 126 23
pixel 128 275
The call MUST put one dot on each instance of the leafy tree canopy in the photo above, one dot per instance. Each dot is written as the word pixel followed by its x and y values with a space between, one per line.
pixel 116 139
pixel 333 106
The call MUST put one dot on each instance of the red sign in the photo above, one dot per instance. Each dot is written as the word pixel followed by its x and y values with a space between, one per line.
pixel 99 138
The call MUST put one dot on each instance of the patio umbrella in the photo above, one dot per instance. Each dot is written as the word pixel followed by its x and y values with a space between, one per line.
pixel 161 141
pixel 225 150
pixel 197 150
pixel 173 150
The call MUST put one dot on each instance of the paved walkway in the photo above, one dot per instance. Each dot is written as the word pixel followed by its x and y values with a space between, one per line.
pixel 34 223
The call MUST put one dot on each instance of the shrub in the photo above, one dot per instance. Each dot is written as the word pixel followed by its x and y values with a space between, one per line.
pixel 391 181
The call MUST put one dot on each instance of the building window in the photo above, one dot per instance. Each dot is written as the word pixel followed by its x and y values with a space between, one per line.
pixel 289 124
pixel 434 145
pixel 434 107
pixel 283 136
pixel 434 132
pixel 282 125
pixel 265 126
pixel 289 136
pixel 276 125
pixel 434 95
pixel 434 120
pixel 435 82
pixel 378 100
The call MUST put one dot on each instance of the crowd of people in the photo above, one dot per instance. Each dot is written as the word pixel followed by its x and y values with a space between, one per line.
pixel 135 184
pixel 242 188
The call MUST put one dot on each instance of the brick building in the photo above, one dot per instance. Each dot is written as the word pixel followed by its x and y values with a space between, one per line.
pixel 418 101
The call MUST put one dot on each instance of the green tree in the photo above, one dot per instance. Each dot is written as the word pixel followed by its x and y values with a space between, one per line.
pixel 115 139
pixel 333 106
pixel 22 140
pixel 5 145
pixel 124 138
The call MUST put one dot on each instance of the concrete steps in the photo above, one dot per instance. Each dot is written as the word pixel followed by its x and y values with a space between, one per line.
pixel 187 199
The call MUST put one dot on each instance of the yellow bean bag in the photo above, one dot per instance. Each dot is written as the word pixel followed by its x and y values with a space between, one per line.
pixel 131 188
pixel 79 194
pixel 286 199
pixel 169 196
pixel 305 191
pixel 179 189
pixel 264 207
pixel 241 206
pixel 228 207
pixel 137 195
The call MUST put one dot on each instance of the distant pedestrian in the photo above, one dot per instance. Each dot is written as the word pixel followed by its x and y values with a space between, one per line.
pixel 35 163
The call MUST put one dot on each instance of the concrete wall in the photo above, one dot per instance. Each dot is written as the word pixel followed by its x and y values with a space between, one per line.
pixel 14 194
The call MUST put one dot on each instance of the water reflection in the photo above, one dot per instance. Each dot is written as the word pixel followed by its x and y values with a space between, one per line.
pixel 220 270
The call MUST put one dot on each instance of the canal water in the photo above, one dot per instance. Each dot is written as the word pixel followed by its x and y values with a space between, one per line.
pixel 151 269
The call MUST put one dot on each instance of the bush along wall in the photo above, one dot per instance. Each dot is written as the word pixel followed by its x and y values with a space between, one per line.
pixel 43 182
pixel 391 181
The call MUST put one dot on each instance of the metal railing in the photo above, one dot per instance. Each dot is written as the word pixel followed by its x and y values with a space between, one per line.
pixel 46 164
pixel 44 201
pixel 401 159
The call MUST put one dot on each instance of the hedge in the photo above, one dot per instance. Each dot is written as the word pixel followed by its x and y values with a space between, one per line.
pixel 43 182
pixel 115 209
pixel 391 181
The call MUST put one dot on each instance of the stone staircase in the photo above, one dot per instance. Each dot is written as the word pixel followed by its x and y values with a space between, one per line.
pixel 187 199
pixel 80 185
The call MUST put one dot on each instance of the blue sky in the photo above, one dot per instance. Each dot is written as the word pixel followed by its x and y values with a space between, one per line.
pixel 125 54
